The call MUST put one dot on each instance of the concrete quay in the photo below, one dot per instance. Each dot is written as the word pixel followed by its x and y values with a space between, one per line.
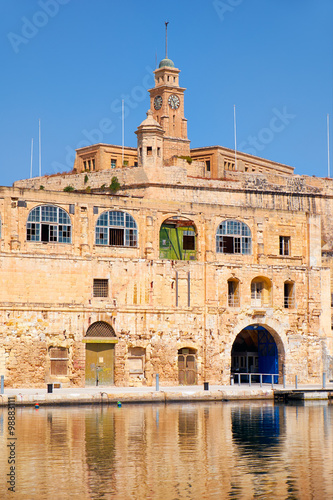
pixel 126 395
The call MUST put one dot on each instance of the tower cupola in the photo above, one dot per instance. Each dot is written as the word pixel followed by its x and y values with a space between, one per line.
pixel 150 142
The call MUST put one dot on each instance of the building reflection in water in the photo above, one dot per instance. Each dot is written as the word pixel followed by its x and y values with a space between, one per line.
pixel 236 450
pixel 100 450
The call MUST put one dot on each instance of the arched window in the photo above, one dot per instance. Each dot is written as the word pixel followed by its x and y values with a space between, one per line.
pixel 233 293
pixel 178 239
pixel 116 229
pixel 289 295
pixel 49 223
pixel 233 237
pixel 261 292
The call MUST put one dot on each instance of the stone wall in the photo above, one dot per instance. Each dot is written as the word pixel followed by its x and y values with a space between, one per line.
pixel 46 292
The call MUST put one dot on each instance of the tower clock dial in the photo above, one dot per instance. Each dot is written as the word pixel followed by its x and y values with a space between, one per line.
pixel 158 102
pixel 174 101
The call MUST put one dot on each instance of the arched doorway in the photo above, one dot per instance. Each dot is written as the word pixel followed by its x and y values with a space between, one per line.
pixel 100 340
pixel 187 367
pixel 255 351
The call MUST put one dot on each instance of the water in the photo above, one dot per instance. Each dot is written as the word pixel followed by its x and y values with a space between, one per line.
pixel 243 450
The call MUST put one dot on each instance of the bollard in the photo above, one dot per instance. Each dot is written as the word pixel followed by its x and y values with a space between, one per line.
pixel 157 382
pixel 260 376
pixel 239 379
pixel 206 386
pixel 250 380
pixel 295 381
pixel 272 381
pixel 231 380
pixel 324 380
pixel 284 381
pixel 2 384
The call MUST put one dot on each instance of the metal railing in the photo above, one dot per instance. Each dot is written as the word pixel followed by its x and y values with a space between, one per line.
pixel 233 300
pixel 252 376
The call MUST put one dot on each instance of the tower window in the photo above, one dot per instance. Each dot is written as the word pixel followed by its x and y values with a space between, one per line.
pixel 113 163
pixel 149 151
pixel 158 151
pixel 208 165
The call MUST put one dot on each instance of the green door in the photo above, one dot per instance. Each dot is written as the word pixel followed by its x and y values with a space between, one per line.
pixel 99 364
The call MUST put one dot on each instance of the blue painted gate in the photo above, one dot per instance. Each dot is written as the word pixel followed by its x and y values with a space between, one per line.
pixel 268 359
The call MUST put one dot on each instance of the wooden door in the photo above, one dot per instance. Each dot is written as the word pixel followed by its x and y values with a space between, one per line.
pixel 187 373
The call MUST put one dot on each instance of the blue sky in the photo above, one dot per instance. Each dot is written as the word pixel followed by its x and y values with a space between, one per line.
pixel 70 62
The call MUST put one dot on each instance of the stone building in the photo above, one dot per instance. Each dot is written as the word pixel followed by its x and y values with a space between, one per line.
pixel 198 265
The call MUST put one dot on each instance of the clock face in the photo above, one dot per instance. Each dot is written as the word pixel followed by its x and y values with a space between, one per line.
pixel 158 102
pixel 174 101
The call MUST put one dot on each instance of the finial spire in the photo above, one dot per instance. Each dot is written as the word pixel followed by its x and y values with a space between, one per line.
pixel 166 39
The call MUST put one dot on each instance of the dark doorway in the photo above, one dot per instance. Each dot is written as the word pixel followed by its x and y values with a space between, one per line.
pixel 255 351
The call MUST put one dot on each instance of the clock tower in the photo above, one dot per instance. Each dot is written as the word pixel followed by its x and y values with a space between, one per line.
pixel 167 106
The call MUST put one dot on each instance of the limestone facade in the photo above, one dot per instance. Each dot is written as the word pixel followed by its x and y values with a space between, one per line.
pixel 84 277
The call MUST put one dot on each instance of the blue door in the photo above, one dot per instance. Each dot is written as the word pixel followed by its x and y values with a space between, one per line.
pixel 268 359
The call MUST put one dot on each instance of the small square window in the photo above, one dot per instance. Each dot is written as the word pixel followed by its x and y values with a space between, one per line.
pixel 101 288
pixel 113 163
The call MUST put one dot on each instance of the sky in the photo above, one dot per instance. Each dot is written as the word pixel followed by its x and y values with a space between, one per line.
pixel 69 64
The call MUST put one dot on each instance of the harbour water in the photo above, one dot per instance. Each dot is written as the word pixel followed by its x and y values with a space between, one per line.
pixel 228 450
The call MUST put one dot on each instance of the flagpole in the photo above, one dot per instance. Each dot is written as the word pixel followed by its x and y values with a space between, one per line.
pixel 328 146
pixel 235 133
pixel 122 132
pixel 40 152
pixel 32 152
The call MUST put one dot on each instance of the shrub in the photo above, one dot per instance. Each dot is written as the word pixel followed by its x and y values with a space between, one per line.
pixel 114 186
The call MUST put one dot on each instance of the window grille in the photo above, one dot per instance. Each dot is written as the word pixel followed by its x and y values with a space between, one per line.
pixel 101 288
pixel 100 329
